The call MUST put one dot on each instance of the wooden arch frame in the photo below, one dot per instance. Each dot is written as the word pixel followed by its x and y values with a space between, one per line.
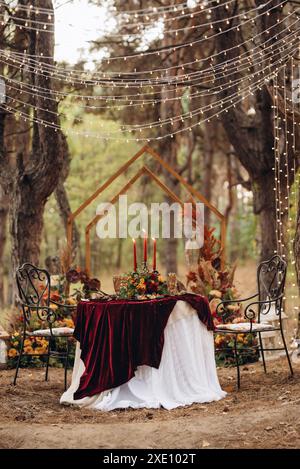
pixel 144 170
pixel 171 171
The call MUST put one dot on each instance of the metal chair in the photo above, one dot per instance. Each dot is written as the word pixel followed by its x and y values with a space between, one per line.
pixel 271 276
pixel 34 296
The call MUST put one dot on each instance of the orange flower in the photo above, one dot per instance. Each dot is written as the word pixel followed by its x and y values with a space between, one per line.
pixel 55 296
pixel 12 353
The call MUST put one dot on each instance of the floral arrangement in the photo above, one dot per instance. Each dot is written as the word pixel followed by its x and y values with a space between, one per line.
pixel 35 347
pixel 142 285
pixel 218 285
pixel 89 285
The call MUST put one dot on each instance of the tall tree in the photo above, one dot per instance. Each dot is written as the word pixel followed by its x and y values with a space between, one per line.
pixel 33 178
pixel 297 255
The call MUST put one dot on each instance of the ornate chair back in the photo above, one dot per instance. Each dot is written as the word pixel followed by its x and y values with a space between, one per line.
pixel 34 293
pixel 271 276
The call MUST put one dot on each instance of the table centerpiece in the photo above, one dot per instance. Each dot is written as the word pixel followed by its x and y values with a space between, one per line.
pixel 143 284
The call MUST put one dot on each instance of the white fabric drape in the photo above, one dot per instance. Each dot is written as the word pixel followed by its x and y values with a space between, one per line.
pixel 187 371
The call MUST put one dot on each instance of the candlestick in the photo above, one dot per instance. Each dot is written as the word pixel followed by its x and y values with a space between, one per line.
pixel 134 256
pixel 154 254
pixel 145 247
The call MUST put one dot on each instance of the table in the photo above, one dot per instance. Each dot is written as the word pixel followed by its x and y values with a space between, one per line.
pixel 144 354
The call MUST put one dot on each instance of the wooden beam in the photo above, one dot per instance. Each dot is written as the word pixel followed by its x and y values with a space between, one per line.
pixel 163 186
pixel 184 182
pixel 87 253
pixel 223 243
pixel 116 197
pixel 99 216
pixel 199 196
pixel 143 170
pixel 107 183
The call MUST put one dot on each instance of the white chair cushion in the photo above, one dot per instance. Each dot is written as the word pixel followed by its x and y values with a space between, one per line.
pixel 245 327
pixel 57 331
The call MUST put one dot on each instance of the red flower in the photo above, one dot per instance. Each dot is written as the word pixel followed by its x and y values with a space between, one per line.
pixel 55 296
pixel 94 284
pixel 192 277
pixel 73 276
pixel 84 278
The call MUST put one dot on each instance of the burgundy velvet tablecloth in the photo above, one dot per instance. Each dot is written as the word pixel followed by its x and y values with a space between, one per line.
pixel 118 336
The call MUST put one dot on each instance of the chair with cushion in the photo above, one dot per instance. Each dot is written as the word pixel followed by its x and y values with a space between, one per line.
pixel 271 276
pixel 35 299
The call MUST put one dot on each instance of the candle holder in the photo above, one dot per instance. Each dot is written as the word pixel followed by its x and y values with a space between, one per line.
pixel 145 267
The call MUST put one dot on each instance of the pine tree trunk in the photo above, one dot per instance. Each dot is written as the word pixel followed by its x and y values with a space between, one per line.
pixel 265 207
pixel 26 222
pixel 208 159
pixel 62 200
pixel 297 243
pixel 168 151
pixel 297 255
pixel 36 177
pixel 3 226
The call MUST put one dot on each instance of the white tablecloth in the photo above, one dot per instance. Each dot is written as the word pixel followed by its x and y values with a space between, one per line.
pixel 187 371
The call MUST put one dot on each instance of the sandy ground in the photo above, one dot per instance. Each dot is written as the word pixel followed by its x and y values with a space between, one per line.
pixel 265 413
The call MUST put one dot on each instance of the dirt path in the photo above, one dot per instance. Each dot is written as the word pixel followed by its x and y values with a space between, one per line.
pixel 264 414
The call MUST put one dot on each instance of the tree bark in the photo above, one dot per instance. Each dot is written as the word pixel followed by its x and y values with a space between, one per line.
pixel 61 196
pixel 168 151
pixel 63 204
pixel 297 255
pixel 33 181
pixel 297 242
pixel 3 227
pixel 26 218
pixel 208 159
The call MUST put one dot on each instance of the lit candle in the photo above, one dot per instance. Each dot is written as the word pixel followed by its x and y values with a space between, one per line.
pixel 154 254
pixel 134 256
pixel 145 247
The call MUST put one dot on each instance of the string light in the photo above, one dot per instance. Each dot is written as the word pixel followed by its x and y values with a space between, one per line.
pixel 232 103
pixel 294 198
pixel 175 47
pixel 22 89
pixel 50 69
pixel 276 172
pixel 116 85
pixel 139 25
pixel 175 119
pixel 132 12
pixel 282 172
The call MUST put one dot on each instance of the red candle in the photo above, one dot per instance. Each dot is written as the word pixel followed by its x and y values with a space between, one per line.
pixel 145 247
pixel 134 256
pixel 154 254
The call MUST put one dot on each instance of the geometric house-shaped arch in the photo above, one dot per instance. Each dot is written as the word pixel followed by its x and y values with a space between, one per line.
pixel 144 170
